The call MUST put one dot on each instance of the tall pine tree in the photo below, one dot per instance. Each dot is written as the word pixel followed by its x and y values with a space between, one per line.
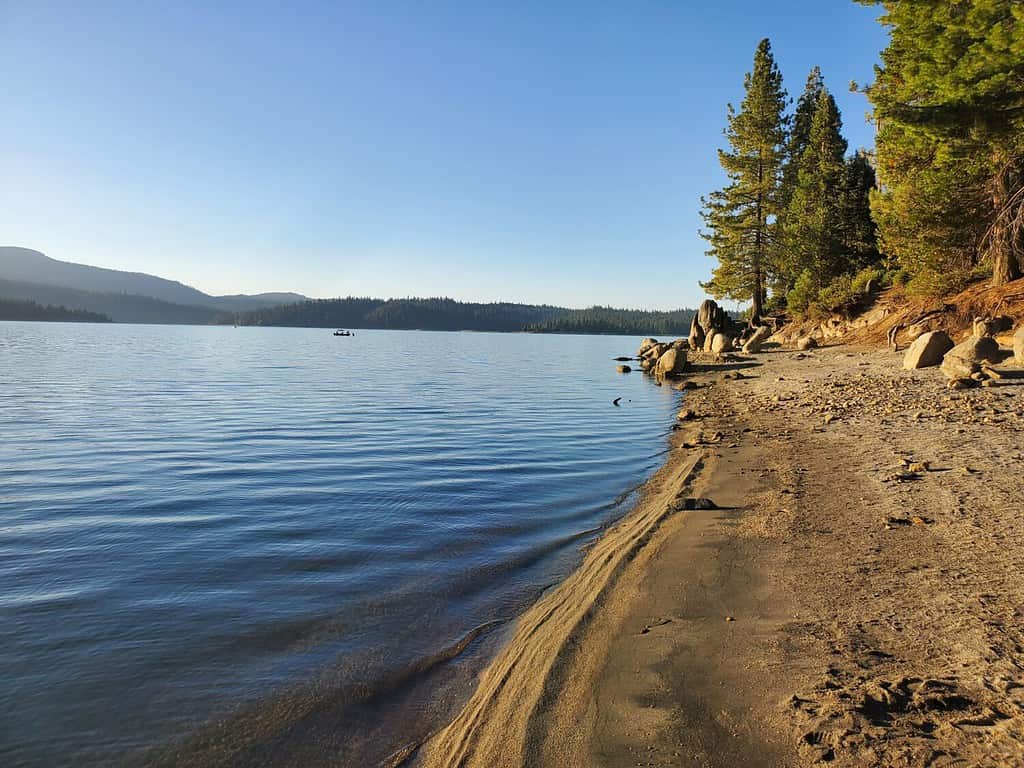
pixel 741 218
pixel 949 99
pixel 813 231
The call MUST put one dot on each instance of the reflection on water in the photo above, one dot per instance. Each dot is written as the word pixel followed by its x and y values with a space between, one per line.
pixel 259 539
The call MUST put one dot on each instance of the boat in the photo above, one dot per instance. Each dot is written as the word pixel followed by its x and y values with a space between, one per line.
pixel 340 332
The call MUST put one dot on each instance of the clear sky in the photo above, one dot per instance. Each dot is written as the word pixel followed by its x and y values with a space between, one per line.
pixel 528 151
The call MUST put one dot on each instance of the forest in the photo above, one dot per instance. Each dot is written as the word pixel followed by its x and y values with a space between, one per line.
pixel 14 309
pixel 804 225
pixel 443 314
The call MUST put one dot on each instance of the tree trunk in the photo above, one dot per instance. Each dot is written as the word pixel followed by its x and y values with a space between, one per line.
pixel 1007 242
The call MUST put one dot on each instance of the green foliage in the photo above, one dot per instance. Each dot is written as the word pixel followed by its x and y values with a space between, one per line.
pixel 812 228
pixel 740 218
pixel 950 102
pixel 804 291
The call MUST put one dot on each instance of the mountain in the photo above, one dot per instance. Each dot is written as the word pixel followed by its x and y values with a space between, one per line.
pixel 119 307
pixel 23 265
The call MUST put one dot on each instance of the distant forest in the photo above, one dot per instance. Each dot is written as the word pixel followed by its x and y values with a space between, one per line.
pixel 617 321
pixel 13 309
pixel 451 315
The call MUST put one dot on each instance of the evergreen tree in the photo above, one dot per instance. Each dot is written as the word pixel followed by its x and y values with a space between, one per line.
pixel 857 229
pixel 800 133
pixel 741 218
pixel 949 99
pixel 813 233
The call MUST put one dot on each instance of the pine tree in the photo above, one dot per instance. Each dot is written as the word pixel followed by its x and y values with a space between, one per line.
pixel 857 229
pixel 950 102
pixel 740 218
pixel 800 133
pixel 813 232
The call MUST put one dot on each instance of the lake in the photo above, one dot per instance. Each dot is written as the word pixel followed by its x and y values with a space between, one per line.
pixel 271 546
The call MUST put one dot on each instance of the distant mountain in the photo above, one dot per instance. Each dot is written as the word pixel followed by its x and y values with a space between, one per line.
pixel 450 315
pixel 23 265
pixel 119 307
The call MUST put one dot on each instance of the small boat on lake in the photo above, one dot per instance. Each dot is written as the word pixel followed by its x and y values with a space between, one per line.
pixel 341 332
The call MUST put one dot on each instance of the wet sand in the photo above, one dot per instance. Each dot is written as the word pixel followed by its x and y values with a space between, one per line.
pixel 836 608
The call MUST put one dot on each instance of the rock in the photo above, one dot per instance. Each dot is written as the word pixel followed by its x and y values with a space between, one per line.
pixel 645 345
pixel 965 359
pixel 646 364
pixel 710 316
pixel 623 359
pixel 961 383
pixel 720 343
pixel 1018 346
pixel 696 503
pixel 756 340
pixel 927 350
pixel 672 362
pixel 623 368
pixel 686 415
pixel 982 327
pixel 655 351
pixel 709 340
pixel 807 342
pixel 696 337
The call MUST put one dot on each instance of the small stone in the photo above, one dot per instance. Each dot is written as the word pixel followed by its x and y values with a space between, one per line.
pixel 623 368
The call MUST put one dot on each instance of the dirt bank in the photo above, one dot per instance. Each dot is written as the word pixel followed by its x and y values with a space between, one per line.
pixel 857 598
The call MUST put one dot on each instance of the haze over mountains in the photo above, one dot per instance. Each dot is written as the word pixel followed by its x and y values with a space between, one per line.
pixel 133 297
pixel 124 296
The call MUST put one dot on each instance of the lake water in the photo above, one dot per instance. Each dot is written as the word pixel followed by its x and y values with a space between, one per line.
pixel 263 546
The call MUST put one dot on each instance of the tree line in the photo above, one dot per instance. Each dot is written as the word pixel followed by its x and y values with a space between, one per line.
pixel 803 225
pixel 443 314
pixel 16 309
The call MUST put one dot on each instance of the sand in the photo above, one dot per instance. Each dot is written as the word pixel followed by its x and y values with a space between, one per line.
pixel 837 608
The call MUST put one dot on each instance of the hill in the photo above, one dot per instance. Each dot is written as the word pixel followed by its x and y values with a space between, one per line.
pixel 24 265
pixel 119 307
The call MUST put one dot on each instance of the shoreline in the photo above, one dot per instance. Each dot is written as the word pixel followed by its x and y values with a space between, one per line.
pixel 827 611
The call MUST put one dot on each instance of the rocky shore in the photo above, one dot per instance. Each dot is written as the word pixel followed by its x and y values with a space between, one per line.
pixel 829 569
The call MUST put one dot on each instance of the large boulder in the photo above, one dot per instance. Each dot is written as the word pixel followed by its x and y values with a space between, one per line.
pixel 655 352
pixel 645 345
pixel 720 343
pixel 966 358
pixel 927 350
pixel 709 340
pixel 671 363
pixel 1018 346
pixel 756 339
pixel 710 316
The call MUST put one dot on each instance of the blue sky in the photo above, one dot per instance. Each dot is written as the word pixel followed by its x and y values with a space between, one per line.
pixel 530 151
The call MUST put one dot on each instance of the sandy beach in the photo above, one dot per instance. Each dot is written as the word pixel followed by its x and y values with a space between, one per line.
pixel 856 596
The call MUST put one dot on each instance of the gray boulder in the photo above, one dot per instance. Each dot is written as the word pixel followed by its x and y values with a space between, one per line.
pixel 709 340
pixel 965 359
pixel 927 350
